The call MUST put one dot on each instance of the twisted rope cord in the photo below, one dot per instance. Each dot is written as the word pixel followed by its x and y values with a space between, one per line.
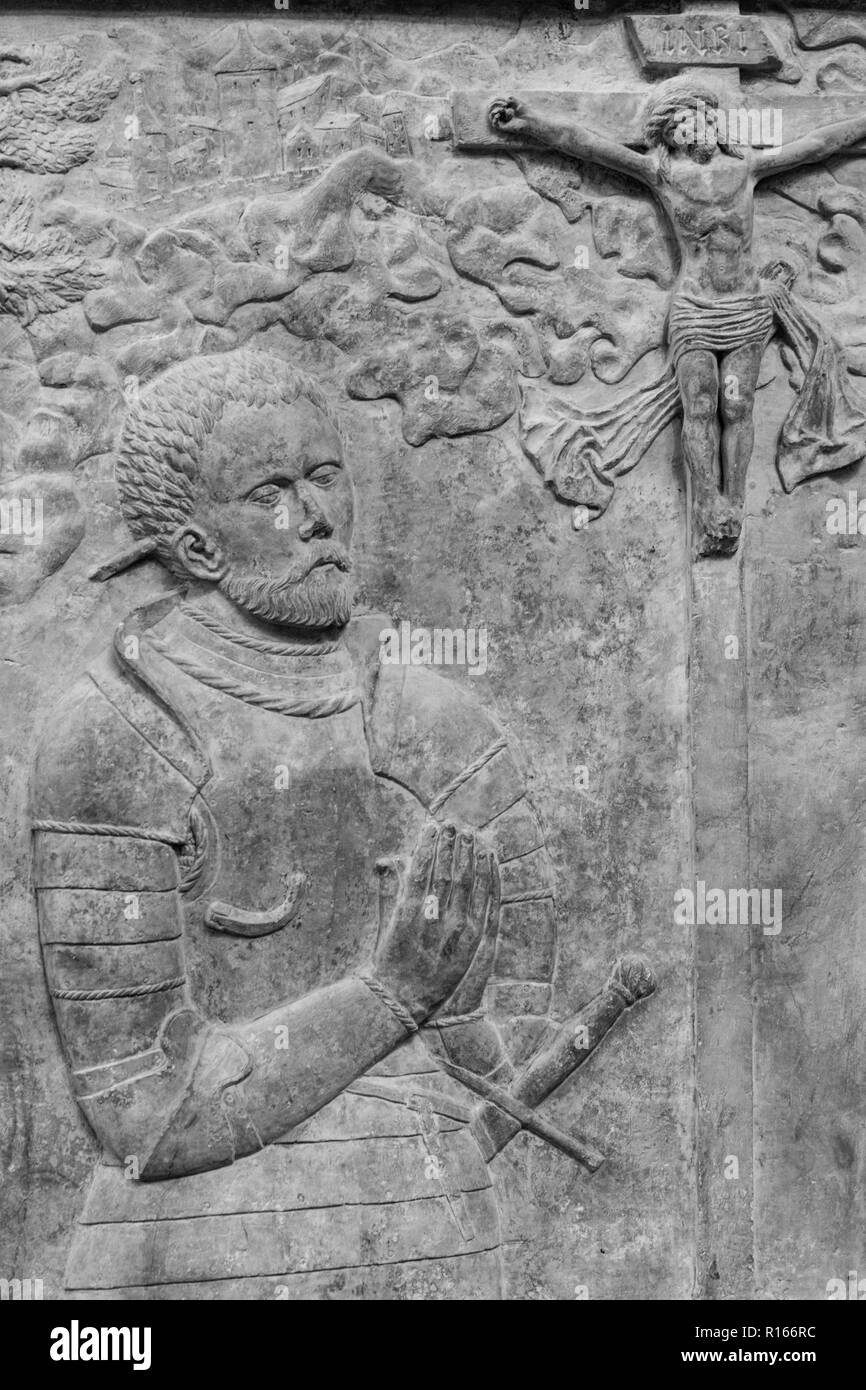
pixel 80 827
pixel 438 801
pixel 391 1002
pixel 136 992
pixel 532 895
pixel 457 1020
pixel 256 644
pixel 318 708
pixel 194 852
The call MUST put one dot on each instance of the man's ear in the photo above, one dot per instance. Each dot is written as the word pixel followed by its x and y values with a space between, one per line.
pixel 197 553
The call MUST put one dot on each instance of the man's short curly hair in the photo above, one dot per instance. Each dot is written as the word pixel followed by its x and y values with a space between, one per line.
pixel 165 432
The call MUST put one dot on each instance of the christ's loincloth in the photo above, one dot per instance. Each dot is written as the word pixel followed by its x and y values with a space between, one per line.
pixel 721 326
pixel 580 452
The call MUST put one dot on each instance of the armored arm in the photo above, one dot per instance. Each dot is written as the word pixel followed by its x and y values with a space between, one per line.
pixel 160 1083
pixel 435 740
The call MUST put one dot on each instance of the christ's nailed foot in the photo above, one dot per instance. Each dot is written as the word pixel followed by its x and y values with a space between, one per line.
pixel 717 524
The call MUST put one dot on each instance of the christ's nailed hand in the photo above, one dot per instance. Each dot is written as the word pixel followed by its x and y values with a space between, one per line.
pixel 509 115
pixel 445 918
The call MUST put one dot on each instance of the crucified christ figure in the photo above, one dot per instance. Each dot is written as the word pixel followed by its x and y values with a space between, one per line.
pixel 721 314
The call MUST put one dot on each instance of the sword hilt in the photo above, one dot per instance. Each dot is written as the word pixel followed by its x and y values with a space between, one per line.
pixel 630 980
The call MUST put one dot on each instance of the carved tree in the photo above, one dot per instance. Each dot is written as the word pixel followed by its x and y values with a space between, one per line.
pixel 41 271
pixel 31 134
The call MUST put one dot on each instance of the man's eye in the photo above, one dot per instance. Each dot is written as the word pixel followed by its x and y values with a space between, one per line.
pixel 325 475
pixel 268 495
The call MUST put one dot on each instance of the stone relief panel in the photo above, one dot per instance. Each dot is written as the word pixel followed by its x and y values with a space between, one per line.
pixel 309 327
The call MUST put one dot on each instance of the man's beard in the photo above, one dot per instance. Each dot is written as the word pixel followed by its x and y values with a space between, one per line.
pixel 703 152
pixel 302 597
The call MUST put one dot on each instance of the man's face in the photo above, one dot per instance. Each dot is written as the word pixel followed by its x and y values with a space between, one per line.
pixel 278 501
pixel 694 130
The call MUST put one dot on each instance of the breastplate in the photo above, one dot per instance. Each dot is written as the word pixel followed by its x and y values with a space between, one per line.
pixel 288 794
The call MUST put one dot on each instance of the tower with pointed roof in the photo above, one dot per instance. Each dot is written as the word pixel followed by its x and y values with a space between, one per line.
pixel 246 84
pixel 149 149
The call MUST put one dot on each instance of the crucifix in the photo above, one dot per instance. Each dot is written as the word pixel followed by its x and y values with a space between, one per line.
pixel 723 311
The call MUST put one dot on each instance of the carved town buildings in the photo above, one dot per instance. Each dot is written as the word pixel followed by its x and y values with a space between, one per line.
pixel 259 123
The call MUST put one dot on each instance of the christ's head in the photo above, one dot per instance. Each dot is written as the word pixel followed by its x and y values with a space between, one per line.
pixel 685 119
pixel 233 465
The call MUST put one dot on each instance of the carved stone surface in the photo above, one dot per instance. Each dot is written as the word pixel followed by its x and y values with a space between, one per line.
pixel 358 792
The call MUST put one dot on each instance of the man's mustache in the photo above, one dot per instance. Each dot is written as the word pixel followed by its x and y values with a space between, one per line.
pixel 314 558
pixel 328 555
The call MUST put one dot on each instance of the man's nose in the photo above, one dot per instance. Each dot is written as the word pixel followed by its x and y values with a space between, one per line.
pixel 315 520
